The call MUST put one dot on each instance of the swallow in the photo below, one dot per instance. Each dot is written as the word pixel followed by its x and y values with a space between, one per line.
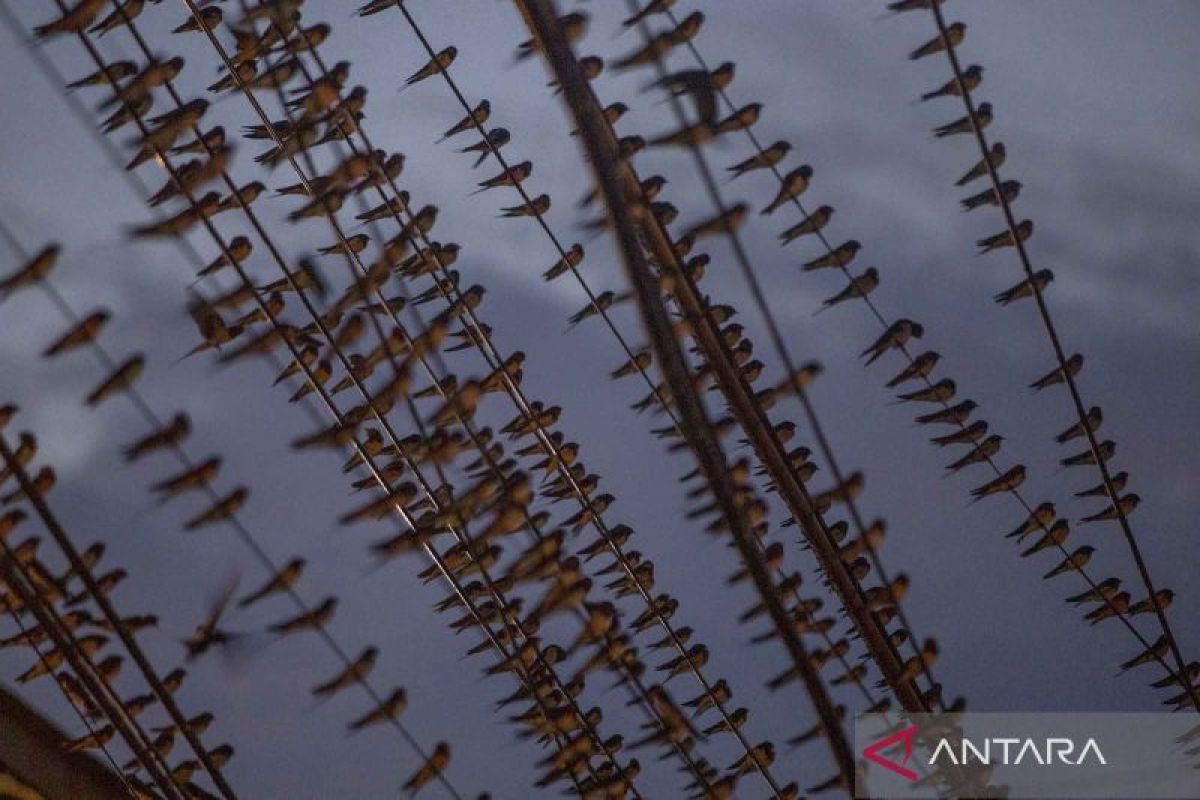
pixel 962 125
pixel 1105 590
pixel 311 619
pixel 534 208
pixel 512 176
pixel 590 66
pixel 433 767
pixel 953 38
pixel 603 302
pixel 30 273
pixel 93 740
pixel 1125 507
pixel 572 259
pixel 996 157
pixel 1160 601
pixel 244 196
pixel 155 74
pixel 741 119
pixel 841 256
pixel 1056 536
pixel 694 83
pixel 1026 288
pixel 1114 606
pixel 941 392
pixel 1058 375
pixel 476 117
pixel 73 20
pixel 168 436
pixel 115 72
pixel 243 74
pixel 811 224
pixel 194 477
pixel 354 672
pixel 129 10
pixel 389 709
pixel 1091 422
pixel 208 18
pixel 222 509
pixel 792 186
pixel 972 76
pixel 1005 238
pixel 1041 518
pixel 1154 652
pixel 920 367
pixel 860 286
pixel 121 379
pixel 695 657
pixel 1009 191
pixel 438 63
pixel 728 221
pixel 1087 458
pixel 898 333
pixel 954 415
pixel 762 160
pixel 573 25
pixel 1101 490
pixel 1077 560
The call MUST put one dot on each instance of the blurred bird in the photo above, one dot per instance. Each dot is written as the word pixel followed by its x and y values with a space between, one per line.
pixel 954 36
pixel 1057 375
pixel 1125 507
pixel 433 767
pixel 996 157
pixel 1026 288
pixel 972 76
pixel 983 118
pixel 841 256
pixel 1005 238
pixel 762 160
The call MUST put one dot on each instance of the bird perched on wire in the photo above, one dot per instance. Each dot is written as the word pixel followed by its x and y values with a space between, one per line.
pixel 972 76
pixel 955 34
pixel 983 118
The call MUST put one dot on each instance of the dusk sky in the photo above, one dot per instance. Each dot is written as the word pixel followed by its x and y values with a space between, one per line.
pixel 1101 119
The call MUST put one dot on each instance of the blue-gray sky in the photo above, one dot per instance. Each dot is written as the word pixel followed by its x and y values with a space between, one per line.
pixel 1098 108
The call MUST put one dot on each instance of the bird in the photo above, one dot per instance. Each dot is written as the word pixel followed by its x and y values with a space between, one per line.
pixel 475 118
pixel 859 286
pixel 354 672
pixel 996 157
pixel 813 223
pixel 311 619
pixel 841 256
pixel 390 708
pixel 972 76
pixel 511 176
pixel 1126 506
pixel 794 184
pixel 207 19
pixel 1005 237
pixel 283 580
pixel 953 415
pixel 433 767
pixel 495 139
pixel 920 367
pixel 764 159
pixel 982 118
pixel 1070 368
pixel 1087 457
pixel 209 633
pixel 954 35
pixel 1119 481
pixel 1009 191
pixel 1026 288
pixel 1077 560
pixel 33 271
pixel 897 334
pixel 438 63
pixel 533 208
pixel 1090 422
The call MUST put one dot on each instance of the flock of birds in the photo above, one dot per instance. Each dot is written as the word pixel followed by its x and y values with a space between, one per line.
pixel 481 503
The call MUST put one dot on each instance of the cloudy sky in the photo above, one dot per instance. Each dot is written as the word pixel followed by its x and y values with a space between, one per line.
pixel 1100 118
